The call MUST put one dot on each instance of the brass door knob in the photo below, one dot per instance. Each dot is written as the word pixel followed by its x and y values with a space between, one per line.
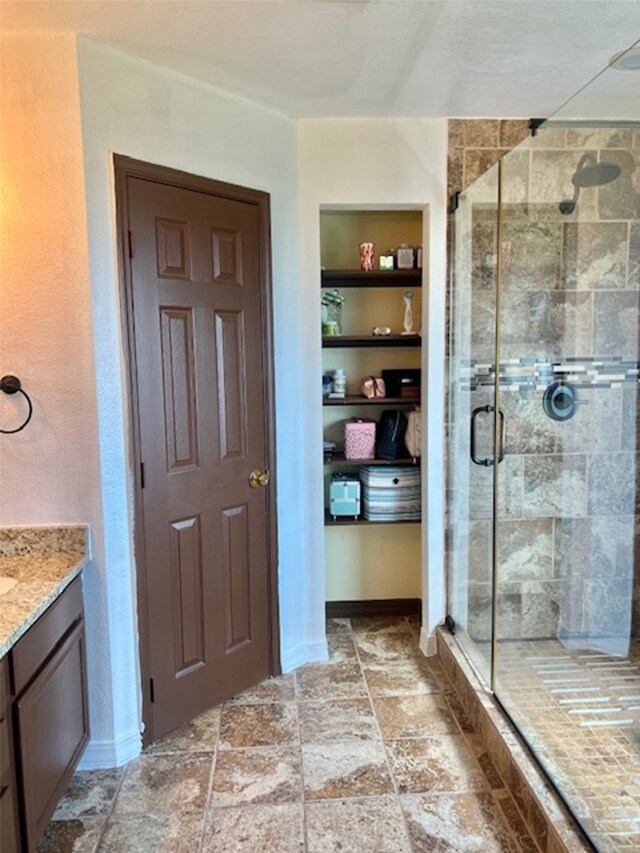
pixel 258 479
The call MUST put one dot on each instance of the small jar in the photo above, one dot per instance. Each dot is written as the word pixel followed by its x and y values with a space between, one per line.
pixel 331 312
pixel 339 382
pixel 404 257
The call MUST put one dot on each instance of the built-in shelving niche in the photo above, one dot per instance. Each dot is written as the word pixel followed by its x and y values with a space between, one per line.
pixel 369 560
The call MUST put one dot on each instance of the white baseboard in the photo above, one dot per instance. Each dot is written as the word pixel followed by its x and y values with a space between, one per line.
pixel 428 645
pixel 302 653
pixel 105 754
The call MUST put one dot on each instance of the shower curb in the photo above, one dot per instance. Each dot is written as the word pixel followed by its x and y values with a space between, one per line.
pixel 545 815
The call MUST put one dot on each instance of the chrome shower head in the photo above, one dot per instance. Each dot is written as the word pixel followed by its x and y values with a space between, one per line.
pixel 589 173
pixel 594 175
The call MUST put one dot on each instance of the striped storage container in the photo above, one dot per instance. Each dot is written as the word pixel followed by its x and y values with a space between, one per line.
pixel 391 493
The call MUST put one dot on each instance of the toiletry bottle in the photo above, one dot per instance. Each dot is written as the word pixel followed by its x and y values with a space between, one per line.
pixel 339 382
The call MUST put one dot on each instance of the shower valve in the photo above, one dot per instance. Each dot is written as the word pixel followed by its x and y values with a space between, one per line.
pixel 560 401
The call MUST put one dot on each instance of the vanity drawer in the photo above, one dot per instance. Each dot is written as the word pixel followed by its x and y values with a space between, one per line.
pixel 32 651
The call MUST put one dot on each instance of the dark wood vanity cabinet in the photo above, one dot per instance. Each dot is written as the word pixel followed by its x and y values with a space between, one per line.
pixel 49 713
pixel 9 828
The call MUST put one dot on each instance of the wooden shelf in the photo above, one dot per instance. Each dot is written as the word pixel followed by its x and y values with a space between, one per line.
pixel 356 400
pixel 338 459
pixel 342 341
pixel 346 521
pixel 375 278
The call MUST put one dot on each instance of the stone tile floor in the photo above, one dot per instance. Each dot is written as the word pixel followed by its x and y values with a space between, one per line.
pixel 368 753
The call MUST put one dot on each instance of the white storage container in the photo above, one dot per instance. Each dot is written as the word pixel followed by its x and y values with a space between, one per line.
pixel 390 493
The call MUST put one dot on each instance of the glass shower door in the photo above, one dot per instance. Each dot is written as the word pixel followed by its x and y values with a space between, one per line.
pixel 566 656
pixel 470 421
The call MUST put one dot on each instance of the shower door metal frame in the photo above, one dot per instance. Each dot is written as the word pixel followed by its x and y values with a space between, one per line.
pixel 460 226
pixel 498 451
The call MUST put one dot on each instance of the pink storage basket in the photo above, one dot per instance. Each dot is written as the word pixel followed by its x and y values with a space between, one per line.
pixel 359 439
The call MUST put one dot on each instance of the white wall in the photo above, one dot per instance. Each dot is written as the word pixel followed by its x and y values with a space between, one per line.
pixel 377 163
pixel 61 330
pixel 46 329
pixel 142 110
pixel 50 471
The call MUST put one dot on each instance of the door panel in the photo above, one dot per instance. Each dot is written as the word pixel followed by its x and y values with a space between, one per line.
pixel 230 345
pixel 173 247
pixel 227 256
pixel 187 575
pixel 198 329
pixel 237 576
pixel 179 387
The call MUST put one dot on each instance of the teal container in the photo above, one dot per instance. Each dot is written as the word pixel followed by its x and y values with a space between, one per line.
pixel 344 497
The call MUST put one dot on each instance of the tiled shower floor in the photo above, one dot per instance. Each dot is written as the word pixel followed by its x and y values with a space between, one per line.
pixel 368 753
pixel 580 712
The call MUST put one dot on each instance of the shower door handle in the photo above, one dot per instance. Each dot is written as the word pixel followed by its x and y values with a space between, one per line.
pixel 487 461
pixel 501 445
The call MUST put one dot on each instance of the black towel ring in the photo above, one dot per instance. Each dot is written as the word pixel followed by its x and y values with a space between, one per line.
pixel 11 385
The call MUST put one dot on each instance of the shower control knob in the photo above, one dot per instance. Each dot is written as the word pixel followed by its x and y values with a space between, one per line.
pixel 560 401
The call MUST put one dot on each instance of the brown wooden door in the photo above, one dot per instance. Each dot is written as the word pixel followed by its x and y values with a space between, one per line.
pixel 198 294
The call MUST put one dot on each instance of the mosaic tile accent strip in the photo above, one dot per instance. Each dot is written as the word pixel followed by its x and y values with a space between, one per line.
pixel 532 373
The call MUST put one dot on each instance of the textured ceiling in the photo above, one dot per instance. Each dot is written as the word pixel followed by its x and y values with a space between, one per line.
pixel 368 57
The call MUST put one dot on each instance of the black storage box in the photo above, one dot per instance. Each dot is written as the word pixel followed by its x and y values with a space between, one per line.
pixel 402 383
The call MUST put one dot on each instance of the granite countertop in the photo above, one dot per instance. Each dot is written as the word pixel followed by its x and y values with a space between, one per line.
pixel 43 561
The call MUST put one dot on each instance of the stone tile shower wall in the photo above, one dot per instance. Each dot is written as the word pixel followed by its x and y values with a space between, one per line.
pixel 569 506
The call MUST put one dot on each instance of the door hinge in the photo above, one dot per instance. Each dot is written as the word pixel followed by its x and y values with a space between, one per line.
pixel 152 690
pixel 142 475
pixel 535 124
pixel 450 622
pixel 132 244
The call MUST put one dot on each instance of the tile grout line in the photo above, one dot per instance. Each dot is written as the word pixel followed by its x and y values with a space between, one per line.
pixel 353 634
pixel 207 805
pixel 416 637
pixel 111 810
pixel 305 841
pixel 396 794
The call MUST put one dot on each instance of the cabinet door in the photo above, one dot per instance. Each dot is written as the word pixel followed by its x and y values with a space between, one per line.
pixel 52 730
pixel 9 832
